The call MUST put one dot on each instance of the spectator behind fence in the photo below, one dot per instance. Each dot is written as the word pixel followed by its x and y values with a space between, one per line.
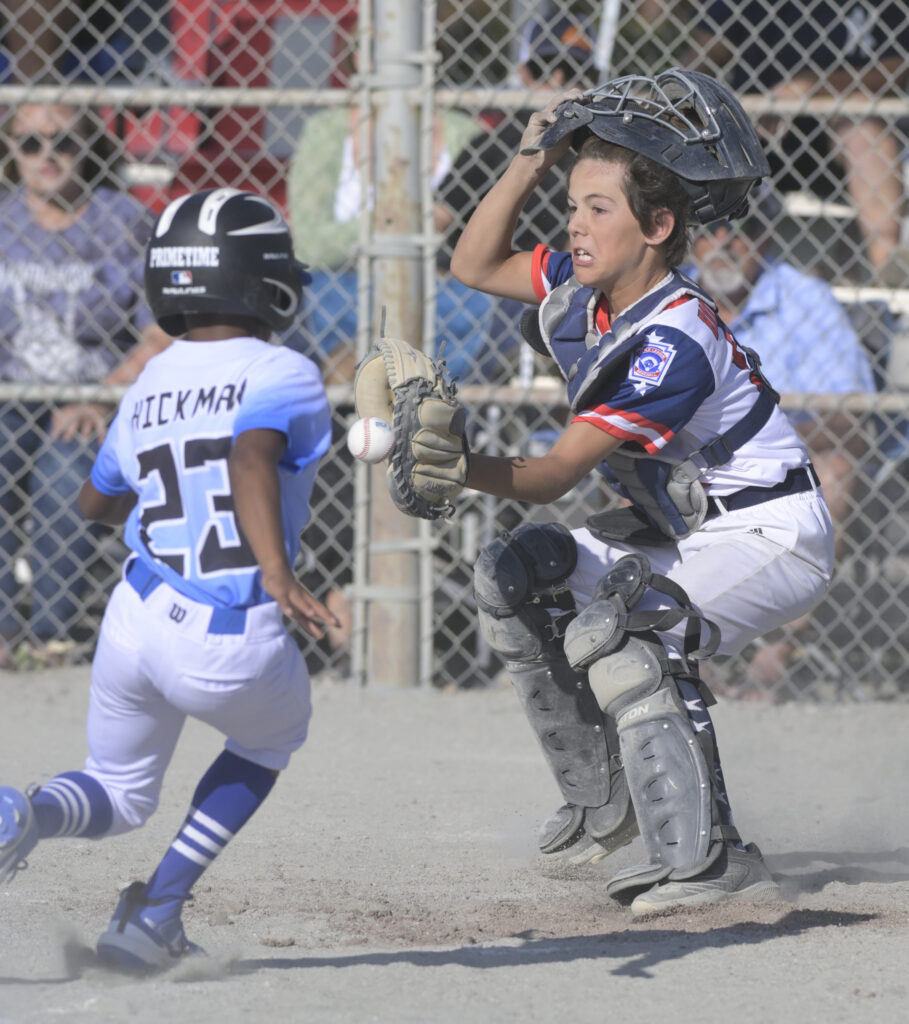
pixel 555 55
pixel 71 312
pixel 846 49
pixel 324 199
pixel 807 344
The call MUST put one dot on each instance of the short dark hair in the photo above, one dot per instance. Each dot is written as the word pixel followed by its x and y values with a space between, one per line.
pixel 648 188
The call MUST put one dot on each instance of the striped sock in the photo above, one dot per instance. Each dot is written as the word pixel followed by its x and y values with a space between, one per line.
pixel 229 794
pixel 72 804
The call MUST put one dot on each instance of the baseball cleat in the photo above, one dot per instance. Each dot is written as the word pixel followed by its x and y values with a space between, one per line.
pixel 736 874
pixel 584 849
pixel 18 831
pixel 144 936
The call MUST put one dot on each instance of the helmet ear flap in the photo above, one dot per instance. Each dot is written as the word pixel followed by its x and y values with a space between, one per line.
pixel 285 299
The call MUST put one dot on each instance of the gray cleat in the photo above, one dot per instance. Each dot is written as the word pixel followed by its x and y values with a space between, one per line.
pixel 736 874
pixel 579 848
pixel 144 935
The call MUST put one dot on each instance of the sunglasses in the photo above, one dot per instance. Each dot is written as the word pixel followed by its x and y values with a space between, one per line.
pixel 33 143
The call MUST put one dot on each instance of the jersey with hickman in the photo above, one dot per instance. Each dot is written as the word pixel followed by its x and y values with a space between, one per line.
pixel 169 443
pixel 684 383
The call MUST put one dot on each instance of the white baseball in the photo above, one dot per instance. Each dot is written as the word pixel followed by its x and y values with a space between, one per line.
pixel 370 439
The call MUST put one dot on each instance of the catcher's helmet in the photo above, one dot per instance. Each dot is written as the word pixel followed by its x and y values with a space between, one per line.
pixel 222 252
pixel 684 120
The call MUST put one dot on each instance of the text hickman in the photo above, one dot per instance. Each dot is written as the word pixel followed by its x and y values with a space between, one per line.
pixel 169 406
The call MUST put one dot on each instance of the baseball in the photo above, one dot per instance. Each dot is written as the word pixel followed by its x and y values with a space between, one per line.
pixel 370 439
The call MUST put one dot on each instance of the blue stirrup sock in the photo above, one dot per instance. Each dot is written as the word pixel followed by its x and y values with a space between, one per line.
pixel 226 798
pixel 72 804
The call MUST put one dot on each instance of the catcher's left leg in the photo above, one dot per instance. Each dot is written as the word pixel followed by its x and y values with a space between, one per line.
pixel 694 853
pixel 523 608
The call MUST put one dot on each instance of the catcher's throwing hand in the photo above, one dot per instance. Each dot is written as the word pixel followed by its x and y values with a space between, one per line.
pixel 541 120
pixel 429 463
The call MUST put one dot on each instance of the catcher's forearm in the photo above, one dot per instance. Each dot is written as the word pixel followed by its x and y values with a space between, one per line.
pixel 577 452
pixel 516 478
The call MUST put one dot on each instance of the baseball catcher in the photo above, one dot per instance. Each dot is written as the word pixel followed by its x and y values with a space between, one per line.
pixel 725 535
pixel 429 462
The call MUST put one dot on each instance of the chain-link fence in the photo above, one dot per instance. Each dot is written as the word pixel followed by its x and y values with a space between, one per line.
pixel 112 108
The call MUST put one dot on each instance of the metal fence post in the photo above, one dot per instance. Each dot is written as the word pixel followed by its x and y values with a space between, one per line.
pixel 393 556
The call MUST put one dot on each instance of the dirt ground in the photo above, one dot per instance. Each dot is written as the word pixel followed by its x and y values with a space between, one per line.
pixel 392 876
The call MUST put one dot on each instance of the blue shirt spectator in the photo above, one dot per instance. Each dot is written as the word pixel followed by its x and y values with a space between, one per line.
pixel 802 333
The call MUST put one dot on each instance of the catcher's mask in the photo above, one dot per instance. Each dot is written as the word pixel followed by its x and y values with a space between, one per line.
pixel 222 252
pixel 685 121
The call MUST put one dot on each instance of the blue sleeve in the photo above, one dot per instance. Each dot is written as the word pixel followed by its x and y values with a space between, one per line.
pixel 669 377
pixel 680 389
pixel 291 400
pixel 558 268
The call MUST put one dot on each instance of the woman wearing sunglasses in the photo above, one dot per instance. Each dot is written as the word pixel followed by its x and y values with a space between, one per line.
pixel 71 312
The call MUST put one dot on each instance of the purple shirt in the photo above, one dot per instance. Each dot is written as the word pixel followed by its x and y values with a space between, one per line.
pixel 71 302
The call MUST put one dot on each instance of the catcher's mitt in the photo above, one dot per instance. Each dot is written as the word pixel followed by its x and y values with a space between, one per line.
pixel 429 462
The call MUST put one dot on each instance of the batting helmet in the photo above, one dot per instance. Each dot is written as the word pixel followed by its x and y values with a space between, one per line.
pixel 222 252
pixel 685 121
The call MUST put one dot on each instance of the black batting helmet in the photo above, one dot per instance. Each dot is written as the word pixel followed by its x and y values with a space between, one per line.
pixel 683 120
pixel 222 252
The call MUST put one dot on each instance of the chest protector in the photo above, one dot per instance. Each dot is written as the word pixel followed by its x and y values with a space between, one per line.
pixel 669 500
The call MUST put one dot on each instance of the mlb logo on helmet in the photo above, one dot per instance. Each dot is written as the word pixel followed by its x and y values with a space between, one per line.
pixel 181 277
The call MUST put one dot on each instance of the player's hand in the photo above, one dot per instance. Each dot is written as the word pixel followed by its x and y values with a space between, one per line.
pixel 82 420
pixel 296 602
pixel 541 120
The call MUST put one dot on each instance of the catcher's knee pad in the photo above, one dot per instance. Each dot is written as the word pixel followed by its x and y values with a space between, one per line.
pixel 519 583
pixel 619 647
pixel 519 580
